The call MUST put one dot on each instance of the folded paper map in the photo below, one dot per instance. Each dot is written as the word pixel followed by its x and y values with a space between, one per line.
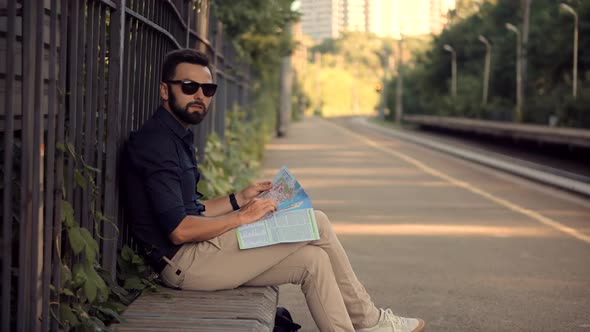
pixel 294 220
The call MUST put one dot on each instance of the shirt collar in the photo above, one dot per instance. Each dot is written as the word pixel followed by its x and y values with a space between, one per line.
pixel 170 121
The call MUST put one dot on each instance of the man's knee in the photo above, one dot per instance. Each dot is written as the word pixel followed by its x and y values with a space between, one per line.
pixel 324 224
pixel 313 258
pixel 321 215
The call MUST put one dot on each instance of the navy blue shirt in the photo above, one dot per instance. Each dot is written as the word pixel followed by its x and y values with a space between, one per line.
pixel 159 180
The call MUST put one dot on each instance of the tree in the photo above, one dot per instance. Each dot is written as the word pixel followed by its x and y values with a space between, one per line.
pixel 550 53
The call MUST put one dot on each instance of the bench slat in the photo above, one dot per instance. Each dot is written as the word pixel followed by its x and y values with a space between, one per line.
pixel 240 309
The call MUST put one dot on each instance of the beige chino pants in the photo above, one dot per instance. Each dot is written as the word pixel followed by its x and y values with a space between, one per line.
pixel 335 297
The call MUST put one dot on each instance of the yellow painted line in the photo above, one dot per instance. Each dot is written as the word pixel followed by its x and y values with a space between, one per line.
pixel 524 211
pixel 441 229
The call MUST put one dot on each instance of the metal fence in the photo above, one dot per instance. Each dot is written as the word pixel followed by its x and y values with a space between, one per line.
pixel 83 72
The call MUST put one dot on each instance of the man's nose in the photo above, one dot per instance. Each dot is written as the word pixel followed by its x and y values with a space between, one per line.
pixel 199 94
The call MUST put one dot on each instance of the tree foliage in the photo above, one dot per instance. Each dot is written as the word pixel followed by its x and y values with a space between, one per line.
pixel 259 28
pixel 548 84
pixel 350 69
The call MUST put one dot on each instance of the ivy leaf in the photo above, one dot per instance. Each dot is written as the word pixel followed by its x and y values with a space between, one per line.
pixel 76 240
pixel 80 179
pixel 126 253
pixel 67 214
pixel 90 290
pixel 67 315
pixel 137 260
pixel 94 277
pixel 91 246
pixel 90 287
pixel 66 275
pixel 68 292
pixel 133 283
pixel 79 276
pixel 103 289
pixel 125 268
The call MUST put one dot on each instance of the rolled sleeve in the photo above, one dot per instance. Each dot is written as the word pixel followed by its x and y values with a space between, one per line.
pixel 156 156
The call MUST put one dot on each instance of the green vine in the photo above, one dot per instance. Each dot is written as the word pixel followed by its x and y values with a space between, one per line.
pixel 89 298
pixel 231 165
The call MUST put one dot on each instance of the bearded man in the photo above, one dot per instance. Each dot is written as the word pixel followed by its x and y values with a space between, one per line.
pixel 192 243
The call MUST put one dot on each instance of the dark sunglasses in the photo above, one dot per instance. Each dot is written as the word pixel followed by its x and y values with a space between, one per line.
pixel 191 87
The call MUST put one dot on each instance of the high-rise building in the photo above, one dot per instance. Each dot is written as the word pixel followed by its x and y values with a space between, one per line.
pixel 382 19
pixel 355 15
pixel 328 18
pixel 322 18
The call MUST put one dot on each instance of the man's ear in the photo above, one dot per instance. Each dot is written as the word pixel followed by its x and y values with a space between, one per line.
pixel 164 91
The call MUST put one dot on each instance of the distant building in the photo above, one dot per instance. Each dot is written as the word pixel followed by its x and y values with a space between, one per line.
pixel 355 15
pixel 382 19
pixel 328 18
pixel 322 18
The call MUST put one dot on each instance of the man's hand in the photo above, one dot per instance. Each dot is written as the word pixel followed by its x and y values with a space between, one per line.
pixel 252 191
pixel 256 209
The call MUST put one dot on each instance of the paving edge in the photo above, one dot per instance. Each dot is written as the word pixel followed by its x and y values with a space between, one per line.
pixel 557 181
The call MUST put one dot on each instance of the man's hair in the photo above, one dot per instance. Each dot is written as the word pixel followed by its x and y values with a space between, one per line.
pixel 177 57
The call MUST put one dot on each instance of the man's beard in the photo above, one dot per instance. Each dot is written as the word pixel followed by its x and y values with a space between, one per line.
pixel 184 114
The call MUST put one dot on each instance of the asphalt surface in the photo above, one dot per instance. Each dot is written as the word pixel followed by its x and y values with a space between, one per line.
pixel 462 246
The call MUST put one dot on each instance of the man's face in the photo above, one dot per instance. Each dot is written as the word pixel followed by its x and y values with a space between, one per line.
pixel 189 109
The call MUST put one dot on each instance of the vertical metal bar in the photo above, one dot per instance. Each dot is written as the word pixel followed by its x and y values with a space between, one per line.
pixel 148 86
pixel 159 48
pixel 188 23
pixel 101 109
pixel 153 69
pixel 143 68
pixel 94 95
pixel 50 167
pixel 132 78
pixel 140 73
pixel 117 25
pixel 72 90
pixel 25 310
pixel 58 193
pixel 221 106
pixel 78 132
pixel 8 164
pixel 88 109
pixel 126 69
pixel 134 73
pixel 38 155
pixel 220 102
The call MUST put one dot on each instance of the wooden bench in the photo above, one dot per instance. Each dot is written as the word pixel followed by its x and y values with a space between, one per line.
pixel 241 309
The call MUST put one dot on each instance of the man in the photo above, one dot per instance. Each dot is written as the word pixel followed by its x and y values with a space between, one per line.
pixel 192 243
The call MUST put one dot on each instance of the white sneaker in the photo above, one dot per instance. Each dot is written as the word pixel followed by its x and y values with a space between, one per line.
pixel 388 322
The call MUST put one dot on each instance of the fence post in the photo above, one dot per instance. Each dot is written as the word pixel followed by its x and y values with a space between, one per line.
pixel 8 131
pixel 117 27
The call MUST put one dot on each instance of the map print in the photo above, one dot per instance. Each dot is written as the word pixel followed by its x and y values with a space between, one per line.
pixel 294 220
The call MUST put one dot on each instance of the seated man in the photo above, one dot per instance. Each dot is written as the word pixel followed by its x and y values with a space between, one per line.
pixel 192 244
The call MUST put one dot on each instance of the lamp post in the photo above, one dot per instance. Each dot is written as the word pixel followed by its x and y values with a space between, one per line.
pixel 519 91
pixel 449 48
pixel 399 105
pixel 486 75
pixel 575 70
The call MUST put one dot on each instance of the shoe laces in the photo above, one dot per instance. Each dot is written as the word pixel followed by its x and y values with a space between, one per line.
pixel 396 321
